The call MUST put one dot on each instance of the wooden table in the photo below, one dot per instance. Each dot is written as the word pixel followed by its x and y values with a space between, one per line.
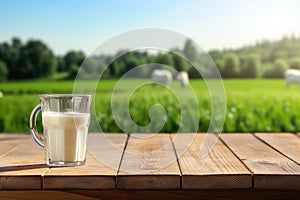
pixel 249 166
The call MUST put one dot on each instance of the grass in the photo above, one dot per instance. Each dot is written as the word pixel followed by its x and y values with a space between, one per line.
pixel 252 105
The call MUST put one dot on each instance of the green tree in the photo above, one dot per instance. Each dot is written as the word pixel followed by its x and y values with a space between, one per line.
pixel 295 63
pixel 220 64
pixel 73 58
pixel 73 71
pixel 3 71
pixel 277 70
pixel 231 66
pixel 90 65
pixel 60 64
pixel 25 68
pixel 16 44
pixel 6 55
pixel 250 67
pixel 116 68
pixel 91 68
pixel 190 51
pixel 280 66
pixel 165 59
pixel 180 64
pixel 130 61
pixel 12 56
pixel 217 57
pixel 39 60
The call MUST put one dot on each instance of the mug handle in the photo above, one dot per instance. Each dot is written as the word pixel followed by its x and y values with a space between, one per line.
pixel 32 124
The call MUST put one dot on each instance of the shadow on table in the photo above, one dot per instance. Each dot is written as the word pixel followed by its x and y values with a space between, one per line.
pixel 22 167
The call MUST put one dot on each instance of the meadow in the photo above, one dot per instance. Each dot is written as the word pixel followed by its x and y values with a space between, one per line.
pixel 253 105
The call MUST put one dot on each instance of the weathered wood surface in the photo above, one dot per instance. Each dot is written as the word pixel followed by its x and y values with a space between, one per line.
pixel 100 171
pixel 9 142
pixel 271 169
pixel 149 194
pixel 247 162
pixel 21 163
pixel 149 162
pixel 287 144
pixel 220 169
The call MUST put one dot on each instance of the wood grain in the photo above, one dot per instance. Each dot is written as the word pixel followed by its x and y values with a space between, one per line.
pixel 23 166
pixel 42 194
pixel 220 169
pixel 286 143
pixel 9 142
pixel 271 169
pixel 99 172
pixel 150 194
pixel 149 163
pixel 190 194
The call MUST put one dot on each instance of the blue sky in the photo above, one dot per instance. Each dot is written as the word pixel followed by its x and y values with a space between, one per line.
pixel 83 25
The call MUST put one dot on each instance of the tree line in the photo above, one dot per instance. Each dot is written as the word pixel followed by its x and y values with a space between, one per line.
pixel 266 59
pixel 34 59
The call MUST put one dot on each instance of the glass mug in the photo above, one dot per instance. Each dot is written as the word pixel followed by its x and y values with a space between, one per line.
pixel 66 119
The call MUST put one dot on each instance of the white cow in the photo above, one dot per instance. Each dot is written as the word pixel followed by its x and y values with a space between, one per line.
pixel 292 76
pixel 161 76
pixel 183 77
pixel 1 94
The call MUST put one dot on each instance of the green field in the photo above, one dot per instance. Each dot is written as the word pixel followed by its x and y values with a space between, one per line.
pixel 252 105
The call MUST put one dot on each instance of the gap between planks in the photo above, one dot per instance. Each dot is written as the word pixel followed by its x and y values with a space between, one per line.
pixel 99 172
pixel 252 176
pixel 291 145
pixel 149 162
pixel 220 169
pixel 270 168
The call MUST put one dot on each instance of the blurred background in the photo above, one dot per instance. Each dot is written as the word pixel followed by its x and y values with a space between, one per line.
pixel 253 43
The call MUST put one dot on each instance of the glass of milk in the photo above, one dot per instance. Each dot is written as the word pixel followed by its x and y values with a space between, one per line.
pixel 66 119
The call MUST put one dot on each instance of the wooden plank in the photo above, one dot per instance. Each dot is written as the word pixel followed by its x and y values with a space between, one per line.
pixel 149 194
pixel 149 162
pixel 23 166
pixel 42 194
pixel 99 172
pixel 220 169
pixel 271 169
pixel 287 143
pixel 190 194
pixel 8 142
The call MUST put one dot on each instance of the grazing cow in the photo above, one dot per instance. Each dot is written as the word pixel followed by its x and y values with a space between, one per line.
pixel 1 94
pixel 183 77
pixel 292 76
pixel 161 76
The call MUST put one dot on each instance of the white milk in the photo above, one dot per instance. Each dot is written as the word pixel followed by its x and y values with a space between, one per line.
pixel 66 135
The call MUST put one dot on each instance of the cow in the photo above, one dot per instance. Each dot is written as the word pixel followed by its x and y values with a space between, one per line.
pixel 161 76
pixel 183 77
pixel 292 76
